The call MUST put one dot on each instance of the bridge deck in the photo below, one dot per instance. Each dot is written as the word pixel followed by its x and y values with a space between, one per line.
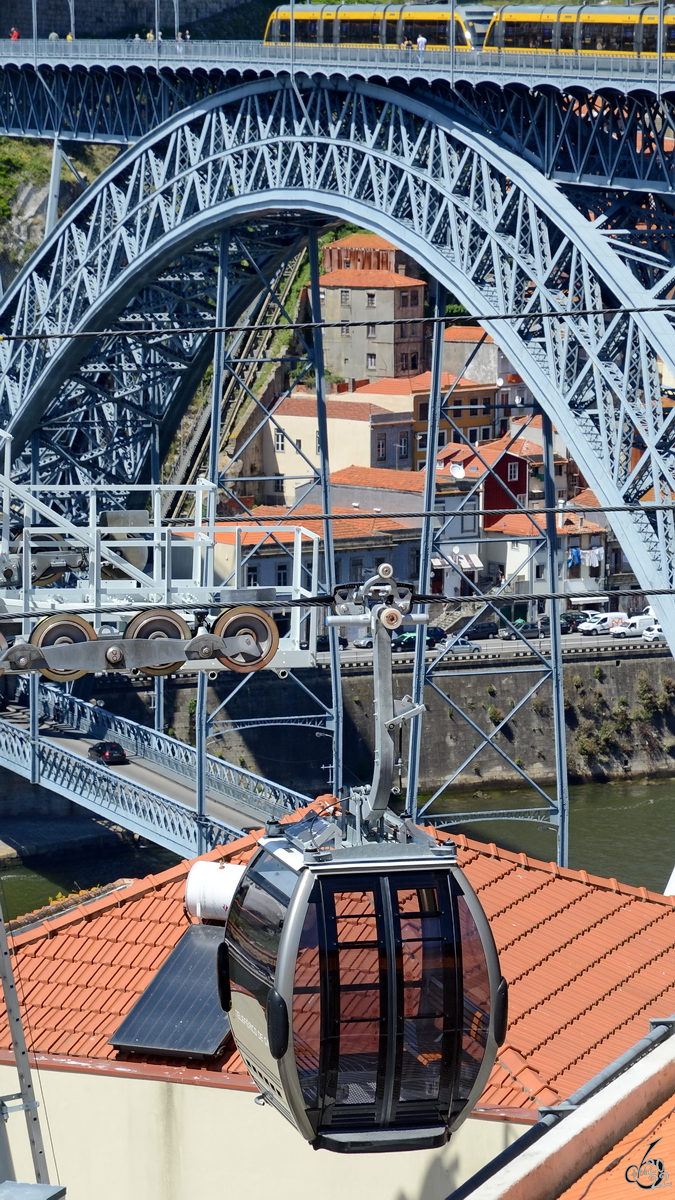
pixel 559 70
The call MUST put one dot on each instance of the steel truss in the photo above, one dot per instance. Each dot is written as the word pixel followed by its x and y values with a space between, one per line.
pixel 482 220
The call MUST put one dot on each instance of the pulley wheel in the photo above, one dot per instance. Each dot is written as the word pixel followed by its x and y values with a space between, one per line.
pixel 260 625
pixel 60 630
pixel 159 623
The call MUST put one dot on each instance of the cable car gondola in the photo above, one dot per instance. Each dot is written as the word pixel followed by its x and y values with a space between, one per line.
pixel 358 967
pixel 363 989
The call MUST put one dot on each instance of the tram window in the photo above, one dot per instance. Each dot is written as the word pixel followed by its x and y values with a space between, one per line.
pixel 567 35
pixel 528 35
pixel 391 31
pixel 669 46
pixel 460 36
pixel 436 32
pixel 606 37
pixel 284 31
pixel 328 26
pixel 306 30
pixel 363 32
pixel 490 42
pixel 650 39
pixel 476 999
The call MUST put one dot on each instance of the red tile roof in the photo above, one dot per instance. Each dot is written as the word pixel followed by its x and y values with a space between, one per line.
pixel 382 477
pixel 466 333
pixel 586 499
pixel 517 524
pixel 336 410
pixel 354 278
pixel 607 1179
pixel 308 515
pixel 410 385
pixel 364 241
pixel 588 962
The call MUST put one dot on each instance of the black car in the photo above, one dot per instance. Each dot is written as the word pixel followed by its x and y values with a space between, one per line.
pixel 110 754
pixel 528 629
pixel 323 644
pixel 407 639
pixel 482 629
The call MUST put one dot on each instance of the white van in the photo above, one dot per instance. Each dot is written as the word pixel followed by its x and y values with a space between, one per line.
pixel 603 623
pixel 635 627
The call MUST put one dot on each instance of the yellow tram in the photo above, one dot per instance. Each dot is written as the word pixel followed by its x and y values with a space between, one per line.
pixel 367 25
pixel 597 29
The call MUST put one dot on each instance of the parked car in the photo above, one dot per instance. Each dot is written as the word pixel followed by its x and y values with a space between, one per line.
pixel 407 639
pixel 528 629
pixel 483 629
pixel 461 646
pixel 635 627
pixel 575 619
pixel 110 754
pixel 323 645
pixel 655 634
pixel 602 623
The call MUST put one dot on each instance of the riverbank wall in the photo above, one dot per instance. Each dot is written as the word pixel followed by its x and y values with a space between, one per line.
pixel 619 713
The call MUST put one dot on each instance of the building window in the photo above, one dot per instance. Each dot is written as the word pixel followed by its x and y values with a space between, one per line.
pixel 414 329
pixel 279 441
pixel 404 299
pixel 298 444
pixel 423 411
pixel 522 500
pixel 346 263
pixel 404 362
pixel 473 407
pixel 370 299
pixel 279 483
pixel 515 545
pixel 487 408
pixel 344 330
pixel 414 563
pixel 355 570
pixel 322 296
pixel 539 571
pixel 371 331
pixel 486 433
pixel 421 464
pixel 282 575
pixel 558 469
pixel 513 472
pixel 457 410
pixel 413 299
pixel 414 359
pixel 473 436
pixel 318 443
pixel 442 437
pixel 371 362
pixel 344 296
pixel 469 517
pixel 252 575
pixel 457 435
pixel 381 448
pixel 403 446
pixel 422 441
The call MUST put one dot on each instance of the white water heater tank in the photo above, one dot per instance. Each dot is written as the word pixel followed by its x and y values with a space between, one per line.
pixel 209 889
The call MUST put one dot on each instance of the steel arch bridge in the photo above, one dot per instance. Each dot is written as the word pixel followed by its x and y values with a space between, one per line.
pixel 268 157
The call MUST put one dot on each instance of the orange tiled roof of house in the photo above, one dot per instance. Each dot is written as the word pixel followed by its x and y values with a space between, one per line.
pixel 309 516
pixel 364 241
pixel 381 477
pixel 519 524
pixel 586 499
pixel 607 1179
pixel 354 278
pixel 409 385
pixel 336 410
pixel 467 333
pixel 588 962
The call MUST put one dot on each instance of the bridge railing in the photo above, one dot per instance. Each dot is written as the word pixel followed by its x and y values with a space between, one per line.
pixel 236 786
pixel 230 53
pixel 109 794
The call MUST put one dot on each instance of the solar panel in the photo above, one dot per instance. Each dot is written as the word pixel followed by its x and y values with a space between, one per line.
pixel 179 1013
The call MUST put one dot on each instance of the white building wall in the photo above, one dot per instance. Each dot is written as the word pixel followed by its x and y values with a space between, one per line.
pixel 134 1139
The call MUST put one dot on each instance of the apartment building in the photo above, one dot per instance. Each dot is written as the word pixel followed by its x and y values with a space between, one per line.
pixel 368 252
pixel 374 323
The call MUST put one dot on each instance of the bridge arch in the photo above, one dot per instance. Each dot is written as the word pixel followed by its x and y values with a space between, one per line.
pixel 486 223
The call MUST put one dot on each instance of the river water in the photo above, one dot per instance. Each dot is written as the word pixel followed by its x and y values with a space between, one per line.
pixel 623 829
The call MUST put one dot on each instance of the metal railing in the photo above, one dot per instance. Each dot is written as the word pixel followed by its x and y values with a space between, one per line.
pixel 255 796
pixel 462 64
pixel 138 809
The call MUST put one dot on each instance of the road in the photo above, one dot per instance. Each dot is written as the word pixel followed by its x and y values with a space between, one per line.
pixel 146 775
pixel 506 648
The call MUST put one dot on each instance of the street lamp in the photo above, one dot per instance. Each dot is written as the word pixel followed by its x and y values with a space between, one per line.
pixel 71 6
